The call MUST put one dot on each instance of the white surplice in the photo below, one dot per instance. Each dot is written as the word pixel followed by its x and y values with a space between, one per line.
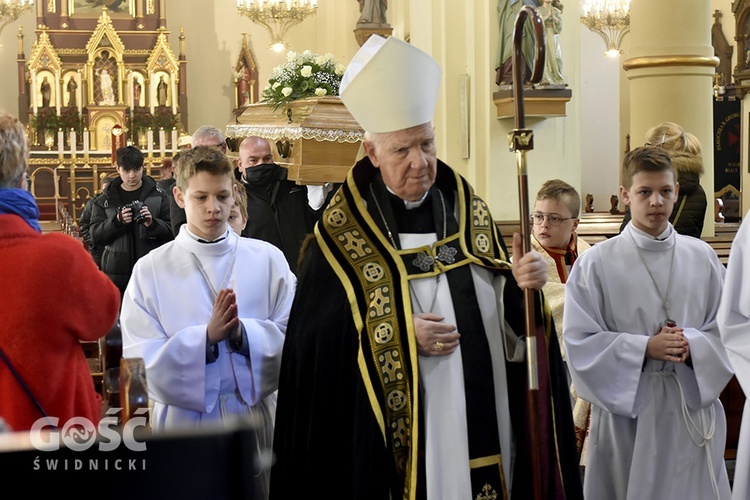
pixel 658 429
pixel 734 325
pixel 442 382
pixel 165 313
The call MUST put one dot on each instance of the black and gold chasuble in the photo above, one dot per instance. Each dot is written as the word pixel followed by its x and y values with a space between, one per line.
pixel 374 272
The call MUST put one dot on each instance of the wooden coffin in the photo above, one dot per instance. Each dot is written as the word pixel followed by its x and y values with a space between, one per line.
pixel 317 139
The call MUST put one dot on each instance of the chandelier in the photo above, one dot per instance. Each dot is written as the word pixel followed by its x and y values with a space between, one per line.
pixel 610 19
pixel 277 16
pixel 11 10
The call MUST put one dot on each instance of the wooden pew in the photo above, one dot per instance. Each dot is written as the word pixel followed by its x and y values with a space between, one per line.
pixel 596 227
pixel 112 355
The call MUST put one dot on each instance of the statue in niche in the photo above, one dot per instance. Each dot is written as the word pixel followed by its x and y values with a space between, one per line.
pixel 105 86
pixel 161 92
pixel 137 88
pixel 243 85
pixel 507 11
pixel 551 14
pixel 46 89
pixel 372 12
pixel 105 71
pixel 72 87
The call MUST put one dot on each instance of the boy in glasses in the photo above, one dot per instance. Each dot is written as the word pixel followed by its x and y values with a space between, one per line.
pixel 554 222
pixel 643 347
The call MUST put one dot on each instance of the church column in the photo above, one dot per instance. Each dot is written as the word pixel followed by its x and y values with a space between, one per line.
pixel 670 68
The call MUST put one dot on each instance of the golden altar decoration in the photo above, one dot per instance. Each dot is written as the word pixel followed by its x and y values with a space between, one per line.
pixel 316 138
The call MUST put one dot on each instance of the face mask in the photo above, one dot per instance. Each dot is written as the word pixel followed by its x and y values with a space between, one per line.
pixel 261 175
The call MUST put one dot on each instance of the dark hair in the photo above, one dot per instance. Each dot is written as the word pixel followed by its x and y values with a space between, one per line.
pixel 129 158
pixel 645 159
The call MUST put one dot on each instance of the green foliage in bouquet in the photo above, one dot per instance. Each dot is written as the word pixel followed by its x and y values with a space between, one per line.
pixel 303 75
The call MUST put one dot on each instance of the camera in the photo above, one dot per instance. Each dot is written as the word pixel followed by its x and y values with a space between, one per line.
pixel 135 209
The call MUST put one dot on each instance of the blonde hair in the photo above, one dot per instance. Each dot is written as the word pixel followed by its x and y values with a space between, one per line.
pixel 14 150
pixel 672 137
pixel 241 199
pixel 560 190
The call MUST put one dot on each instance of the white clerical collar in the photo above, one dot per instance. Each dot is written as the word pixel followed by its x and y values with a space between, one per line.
pixel 409 205
pixel 202 240
pixel 662 236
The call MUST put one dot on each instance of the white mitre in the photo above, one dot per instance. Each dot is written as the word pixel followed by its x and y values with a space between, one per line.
pixel 390 85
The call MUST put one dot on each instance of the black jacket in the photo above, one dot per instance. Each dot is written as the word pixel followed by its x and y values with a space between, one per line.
pixel 83 226
pixel 279 213
pixel 690 221
pixel 125 244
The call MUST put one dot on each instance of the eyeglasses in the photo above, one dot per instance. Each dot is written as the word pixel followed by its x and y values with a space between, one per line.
pixel 554 219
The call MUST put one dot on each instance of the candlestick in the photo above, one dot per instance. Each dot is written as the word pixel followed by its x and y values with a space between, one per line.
pixel 150 141
pixel 60 143
pixel 162 142
pixel 73 143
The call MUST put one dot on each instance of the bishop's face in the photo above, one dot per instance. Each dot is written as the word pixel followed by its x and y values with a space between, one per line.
pixel 407 160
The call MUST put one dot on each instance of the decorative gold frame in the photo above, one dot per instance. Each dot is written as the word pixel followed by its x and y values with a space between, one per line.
pixel 96 11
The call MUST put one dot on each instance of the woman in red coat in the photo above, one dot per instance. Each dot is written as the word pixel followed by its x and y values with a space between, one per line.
pixel 52 296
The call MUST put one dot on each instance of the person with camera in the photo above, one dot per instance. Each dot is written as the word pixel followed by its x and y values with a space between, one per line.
pixel 130 218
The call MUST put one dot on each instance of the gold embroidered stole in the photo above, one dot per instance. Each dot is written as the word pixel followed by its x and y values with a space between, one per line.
pixel 375 276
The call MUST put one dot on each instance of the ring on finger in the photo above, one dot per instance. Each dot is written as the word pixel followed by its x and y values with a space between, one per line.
pixel 439 346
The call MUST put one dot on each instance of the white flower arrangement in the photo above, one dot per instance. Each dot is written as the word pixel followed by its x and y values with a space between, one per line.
pixel 303 75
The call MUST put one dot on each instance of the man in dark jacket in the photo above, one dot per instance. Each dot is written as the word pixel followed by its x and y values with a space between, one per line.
pixel 279 210
pixel 85 220
pixel 130 218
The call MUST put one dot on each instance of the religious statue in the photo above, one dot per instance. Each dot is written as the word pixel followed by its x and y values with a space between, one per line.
pixel 46 90
pixel 551 14
pixel 161 92
pixel 614 201
pixel 589 203
pixel 507 11
pixel 105 85
pixel 72 87
pixel 243 85
pixel 372 12
pixel 137 87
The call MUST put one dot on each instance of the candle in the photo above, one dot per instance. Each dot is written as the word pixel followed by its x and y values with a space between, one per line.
pixel 150 141
pixel 86 142
pixel 60 143
pixel 174 139
pixel 72 142
pixel 162 142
